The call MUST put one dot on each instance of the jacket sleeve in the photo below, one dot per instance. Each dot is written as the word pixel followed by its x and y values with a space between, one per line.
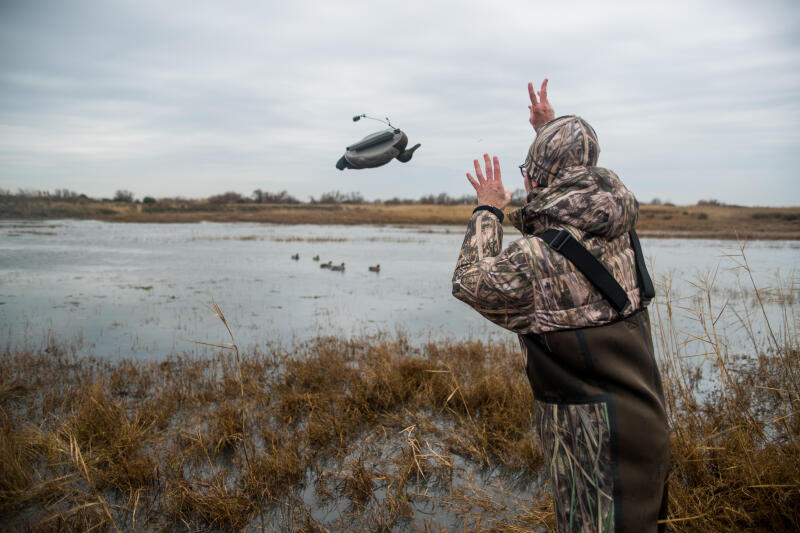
pixel 497 283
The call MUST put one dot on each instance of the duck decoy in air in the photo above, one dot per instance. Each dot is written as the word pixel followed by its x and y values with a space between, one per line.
pixel 296 257
pixel 315 258
pixel 338 268
pixel 377 149
pixel 376 268
pixel 326 265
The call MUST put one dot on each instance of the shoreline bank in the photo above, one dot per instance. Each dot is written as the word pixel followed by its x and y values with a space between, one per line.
pixel 696 222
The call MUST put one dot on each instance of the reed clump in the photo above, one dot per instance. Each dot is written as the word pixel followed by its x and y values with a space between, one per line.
pixel 380 434
pixel 734 416
pixel 189 442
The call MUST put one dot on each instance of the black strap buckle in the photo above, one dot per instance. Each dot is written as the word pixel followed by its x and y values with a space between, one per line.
pixel 560 240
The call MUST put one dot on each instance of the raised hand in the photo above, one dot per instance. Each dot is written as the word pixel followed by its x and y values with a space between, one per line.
pixel 541 111
pixel 490 189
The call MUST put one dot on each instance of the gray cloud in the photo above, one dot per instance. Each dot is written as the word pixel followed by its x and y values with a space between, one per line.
pixel 690 99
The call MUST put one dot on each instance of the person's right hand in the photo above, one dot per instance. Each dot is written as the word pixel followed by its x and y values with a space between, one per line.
pixel 541 111
pixel 490 190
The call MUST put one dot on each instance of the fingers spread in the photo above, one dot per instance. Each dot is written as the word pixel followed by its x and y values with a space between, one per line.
pixel 496 162
pixel 474 183
pixel 488 163
pixel 543 91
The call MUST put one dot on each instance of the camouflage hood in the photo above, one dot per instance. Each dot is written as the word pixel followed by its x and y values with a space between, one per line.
pixel 572 191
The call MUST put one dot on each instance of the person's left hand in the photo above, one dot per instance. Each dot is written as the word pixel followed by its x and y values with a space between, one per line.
pixel 541 111
pixel 490 189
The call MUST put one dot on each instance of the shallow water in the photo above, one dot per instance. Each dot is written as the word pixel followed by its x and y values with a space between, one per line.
pixel 141 290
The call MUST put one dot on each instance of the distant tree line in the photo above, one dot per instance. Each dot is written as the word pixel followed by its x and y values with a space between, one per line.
pixel 260 196
pixel 658 201
pixel 57 195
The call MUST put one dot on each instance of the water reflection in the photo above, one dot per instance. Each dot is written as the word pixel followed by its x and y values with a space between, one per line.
pixel 141 289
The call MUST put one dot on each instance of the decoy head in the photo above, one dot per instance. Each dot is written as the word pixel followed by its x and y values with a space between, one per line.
pixel 405 155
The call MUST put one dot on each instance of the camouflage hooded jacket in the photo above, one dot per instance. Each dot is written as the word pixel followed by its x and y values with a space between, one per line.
pixel 528 287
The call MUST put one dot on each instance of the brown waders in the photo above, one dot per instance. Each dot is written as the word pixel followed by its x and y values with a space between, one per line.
pixel 602 423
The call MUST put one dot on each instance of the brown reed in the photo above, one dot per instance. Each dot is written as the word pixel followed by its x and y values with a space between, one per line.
pixel 379 433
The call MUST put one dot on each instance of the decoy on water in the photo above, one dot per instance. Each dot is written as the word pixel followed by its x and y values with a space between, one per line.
pixel 296 257
pixel 376 268
pixel 315 258
pixel 326 265
pixel 338 268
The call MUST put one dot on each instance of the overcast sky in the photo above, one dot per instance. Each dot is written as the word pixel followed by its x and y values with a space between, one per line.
pixel 690 100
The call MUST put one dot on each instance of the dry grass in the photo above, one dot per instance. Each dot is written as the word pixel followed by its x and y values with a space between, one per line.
pixel 734 417
pixel 719 222
pixel 188 443
pixel 377 434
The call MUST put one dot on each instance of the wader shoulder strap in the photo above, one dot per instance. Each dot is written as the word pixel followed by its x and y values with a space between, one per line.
pixel 595 272
pixel 643 277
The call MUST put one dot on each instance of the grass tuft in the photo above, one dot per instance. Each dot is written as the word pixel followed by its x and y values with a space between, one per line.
pixel 376 434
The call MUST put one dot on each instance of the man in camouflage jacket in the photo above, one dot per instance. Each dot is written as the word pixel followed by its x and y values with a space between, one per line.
pixel 597 391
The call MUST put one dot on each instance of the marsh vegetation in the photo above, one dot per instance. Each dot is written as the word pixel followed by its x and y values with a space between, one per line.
pixel 377 433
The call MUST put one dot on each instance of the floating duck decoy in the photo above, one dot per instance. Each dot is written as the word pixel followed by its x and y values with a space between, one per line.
pixel 376 268
pixel 326 265
pixel 378 148
pixel 338 268
pixel 315 258
pixel 296 257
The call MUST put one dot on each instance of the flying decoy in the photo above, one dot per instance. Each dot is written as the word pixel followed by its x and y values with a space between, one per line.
pixel 378 148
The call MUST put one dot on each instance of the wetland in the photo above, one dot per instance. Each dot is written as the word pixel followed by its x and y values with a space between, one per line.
pixel 196 377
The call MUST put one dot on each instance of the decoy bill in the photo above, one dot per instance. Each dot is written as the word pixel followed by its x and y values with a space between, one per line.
pixel 378 148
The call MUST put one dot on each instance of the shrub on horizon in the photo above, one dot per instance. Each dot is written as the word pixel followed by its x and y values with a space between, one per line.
pixel 123 195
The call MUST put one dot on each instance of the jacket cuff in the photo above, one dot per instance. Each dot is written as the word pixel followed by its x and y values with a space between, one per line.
pixel 493 210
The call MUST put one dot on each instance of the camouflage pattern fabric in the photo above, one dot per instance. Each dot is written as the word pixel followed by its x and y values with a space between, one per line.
pixel 576 441
pixel 576 349
pixel 591 199
pixel 561 144
pixel 528 287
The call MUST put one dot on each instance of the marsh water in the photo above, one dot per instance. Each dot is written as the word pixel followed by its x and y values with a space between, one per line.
pixel 142 290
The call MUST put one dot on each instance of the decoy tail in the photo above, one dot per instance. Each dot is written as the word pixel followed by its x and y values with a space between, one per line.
pixel 405 155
